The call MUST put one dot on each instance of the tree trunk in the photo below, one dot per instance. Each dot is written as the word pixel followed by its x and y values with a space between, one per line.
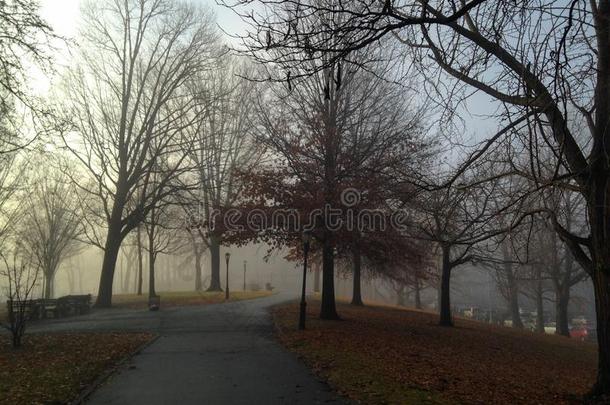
pixel 512 286
pixel 316 279
pixel 169 274
pixel 127 278
pixel 151 259
pixel 601 284
pixel 562 301
pixel 16 340
pixel 328 308
pixel 120 268
pixel 539 302
pixel 151 275
pixel 356 292
pixel 134 262
pixel 111 252
pixel 48 285
pixel 198 282
pixel 418 295
pixel 513 295
pixel 445 306
pixel 597 201
pixel 80 278
pixel 140 264
pixel 400 296
pixel 71 276
pixel 215 262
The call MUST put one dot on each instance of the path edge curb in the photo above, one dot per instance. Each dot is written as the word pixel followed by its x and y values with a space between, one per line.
pixel 104 376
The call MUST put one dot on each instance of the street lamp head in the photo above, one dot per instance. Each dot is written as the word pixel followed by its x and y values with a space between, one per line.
pixel 227 256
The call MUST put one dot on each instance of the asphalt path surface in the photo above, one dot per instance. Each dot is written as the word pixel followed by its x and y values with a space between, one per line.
pixel 214 354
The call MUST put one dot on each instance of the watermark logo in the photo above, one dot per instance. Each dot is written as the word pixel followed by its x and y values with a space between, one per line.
pixel 346 216
pixel 350 197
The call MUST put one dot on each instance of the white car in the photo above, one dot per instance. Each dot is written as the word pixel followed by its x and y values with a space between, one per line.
pixel 550 328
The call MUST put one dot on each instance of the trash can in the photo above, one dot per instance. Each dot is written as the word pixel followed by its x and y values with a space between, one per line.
pixel 154 303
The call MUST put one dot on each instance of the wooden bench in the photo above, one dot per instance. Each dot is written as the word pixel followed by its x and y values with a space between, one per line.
pixel 47 306
pixel 30 309
pixel 43 308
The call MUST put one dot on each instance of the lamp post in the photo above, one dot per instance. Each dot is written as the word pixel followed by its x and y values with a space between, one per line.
pixel 245 263
pixel 303 306
pixel 227 257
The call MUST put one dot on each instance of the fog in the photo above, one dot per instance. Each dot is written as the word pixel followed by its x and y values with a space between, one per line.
pixel 80 274
pixel 442 161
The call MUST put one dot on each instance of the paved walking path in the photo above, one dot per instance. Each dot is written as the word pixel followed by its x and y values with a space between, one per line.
pixel 215 354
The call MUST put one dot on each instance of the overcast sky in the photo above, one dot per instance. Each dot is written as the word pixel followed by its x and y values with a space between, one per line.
pixel 63 15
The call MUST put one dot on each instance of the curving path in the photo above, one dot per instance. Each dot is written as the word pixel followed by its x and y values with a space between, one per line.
pixel 215 354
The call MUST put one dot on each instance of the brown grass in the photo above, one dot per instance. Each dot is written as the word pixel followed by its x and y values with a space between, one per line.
pixel 55 368
pixel 383 355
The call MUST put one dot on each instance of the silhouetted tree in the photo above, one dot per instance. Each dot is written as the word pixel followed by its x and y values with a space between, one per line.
pixel 127 98
pixel 50 225
pixel 22 277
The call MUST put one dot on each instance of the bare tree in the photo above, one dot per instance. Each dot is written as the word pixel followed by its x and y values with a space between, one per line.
pixel 535 284
pixel 223 145
pixel 128 101
pixel 198 249
pixel 22 277
pixel 461 223
pixel 140 260
pixel 513 248
pixel 559 269
pixel 26 40
pixel 159 240
pixel 9 184
pixel 508 275
pixel 50 224
pixel 14 172
pixel 563 270
pixel 162 225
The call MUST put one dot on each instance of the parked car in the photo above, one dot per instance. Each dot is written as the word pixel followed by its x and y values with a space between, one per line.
pixel 579 332
pixel 580 320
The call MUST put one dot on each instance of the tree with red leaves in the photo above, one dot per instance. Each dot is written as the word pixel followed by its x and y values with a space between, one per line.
pixel 339 139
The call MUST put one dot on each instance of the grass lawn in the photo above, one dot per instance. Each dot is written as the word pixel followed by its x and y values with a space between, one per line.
pixel 55 368
pixel 380 355
pixel 181 298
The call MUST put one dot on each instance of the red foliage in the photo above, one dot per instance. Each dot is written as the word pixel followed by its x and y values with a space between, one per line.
pixel 380 355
